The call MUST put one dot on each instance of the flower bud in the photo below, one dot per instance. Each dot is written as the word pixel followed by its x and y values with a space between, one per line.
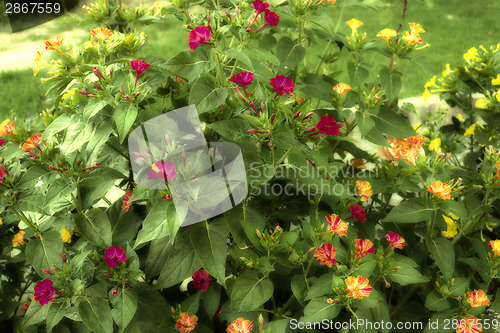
pixel 227 13
pixel 63 256
pixel 46 271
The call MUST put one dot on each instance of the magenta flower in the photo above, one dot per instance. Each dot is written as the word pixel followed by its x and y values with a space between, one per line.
pixel 327 125
pixel 139 66
pixel 282 84
pixel 271 17
pixel 113 255
pixel 2 174
pixel 44 291
pixel 199 36
pixel 201 280
pixel 260 6
pixel 2 141
pixel 164 170
pixel 358 213
pixel 243 78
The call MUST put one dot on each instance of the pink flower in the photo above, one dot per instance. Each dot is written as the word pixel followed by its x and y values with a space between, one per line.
pixel 2 174
pixel 161 169
pixel 139 66
pixel 201 280
pixel 282 84
pixel 114 255
pixel 199 36
pixel 260 6
pixel 327 125
pixel 395 240
pixel 271 17
pixel 243 78
pixel 358 213
pixel 363 247
pixel 325 254
pixel 2 141
pixel 44 291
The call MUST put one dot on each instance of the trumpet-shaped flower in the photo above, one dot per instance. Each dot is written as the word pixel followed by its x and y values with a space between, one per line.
pixel 201 280
pixel 162 169
pixel 186 322
pixel 483 104
pixel 66 235
pixel 471 56
pixel 200 35
pixel 358 213
pixel 44 291
pixel 325 254
pixel 55 44
pixel 6 127
pixel 113 255
pixel 358 287
pixel 240 325
pixel 447 70
pixel 470 324
pixel 363 247
pixel 337 225
pixel 416 28
pixel 354 24
pixel 451 227
pixel 364 189
pixel 125 204
pixel 496 81
pixel 282 84
pixel 271 18
pixel 327 125
pixel 243 78
pixel 139 66
pixel 477 298
pixel 435 144
pixel 387 34
pixel 440 189
pixel 18 238
pixel 495 246
pixel 395 240
pixel 260 6
pixel 342 88
pixel 32 142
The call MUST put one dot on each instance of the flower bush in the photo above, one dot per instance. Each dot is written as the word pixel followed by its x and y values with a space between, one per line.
pixel 351 213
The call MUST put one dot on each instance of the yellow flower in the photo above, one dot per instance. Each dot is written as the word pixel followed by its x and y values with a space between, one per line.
pixel 66 235
pixel 431 83
pixel 447 70
pixel 440 189
pixel 470 324
pixel 336 225
pixel 452 227
pixel 6 127
pixel 495 246
pixel 497 95
pixel 70 93
pixel 364 189
pixel 101 33
pixel 18 238
pixel 470 130
pixel 342 88
pixel 412 38
pixel 1 221
pixel 435 144
pixel 471 55
pixel 477 298
pixel 38 62
pixel 354 24
pixel 483 104
pixel 387 34
pixel 240 325
pixel 416 28
pixel 51 44
pixel 496 81
pixel 32 142
pixel 358 287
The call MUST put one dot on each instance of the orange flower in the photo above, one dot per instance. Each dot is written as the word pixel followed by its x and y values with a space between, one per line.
pixel 6 127
pixel 32 142
pixel 395 240
pixel 363 247
pixel 358 287
pixel 25 306
pixel 240 325
pixel 326 255
pixel 101 33
pixel 439 189
pixel 409 149
pixel 358 163
pixel 416 28
pixel 387 34
pixel 186 322
pixel 126 205
pixel 477 298
pixel 495 246
pixel 337 225
pixel 469 325
pixel 52 44
pixel 342 88
pixel 364 189
pixel 354 24
pixel 18 238
pixel 412 38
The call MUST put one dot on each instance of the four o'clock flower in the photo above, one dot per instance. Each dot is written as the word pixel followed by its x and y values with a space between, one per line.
pixel 364 189
pixel 66 235
pixel 440 189
pixel 470 324
pixel 358 287
pixel 52 44
pixel 18 238
pixel 164 170
pixel 477 298
pixel 201 280
pixel 327 125
pixel 44 291
pixel 101 33
pixel 243 78
pixel 200 35
pixel 271 19
pixel 32 142
pixel 6 127
pixel 354 24
pixel 260 6
pixel 2 142
pixel 282 84
pixel 387 34
pixel 113 255
pixel 186 322
pixel 325 254
pixel 341 88
pixel 139 66
pixel 125 204
pixel 495 246
pixel 358 213
pixel 337 225
pixel 240 325
pixel 395 240
pixel 363 247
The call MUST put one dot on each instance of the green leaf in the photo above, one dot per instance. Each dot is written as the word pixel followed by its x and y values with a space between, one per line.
pixel 436 302
pixel 210 243
pixel 35 314
pixel 45 252
pixel 124 307
pixel 392 124
pixel 56 313
pixel 410 211
pixel 460 285
pixel 357 73
pixel 94 226
pixel 233 129
pixel 159 250
pixel 211 299
pixel 451 206
pixel 320 286
pixel 480 266
pixel 181 263
pixel 60 189
pixel 206 95
pixel 407 275
pixel 124 116
pixel 151 308
pixel 443 253
pixel 156 224
pixel 189 64
pixel 299 288
pixel 94 106
pixel 58 125
pixel 249 291
pixel 365 123
pixel 289 53
pixel 238 55
pixel 96 314
pixel 390 82
pixel 318 309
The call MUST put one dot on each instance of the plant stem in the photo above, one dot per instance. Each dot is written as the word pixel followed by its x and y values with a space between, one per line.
pixel 284 156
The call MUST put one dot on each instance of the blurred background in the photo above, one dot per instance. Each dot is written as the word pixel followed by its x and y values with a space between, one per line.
pixel 452 27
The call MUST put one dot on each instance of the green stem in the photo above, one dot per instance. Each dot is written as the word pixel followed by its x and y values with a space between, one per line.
pixel 322 59
pixel 284 156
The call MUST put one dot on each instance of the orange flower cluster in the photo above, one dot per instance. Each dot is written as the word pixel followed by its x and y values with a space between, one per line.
pixel 409 149
pixel 498 169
